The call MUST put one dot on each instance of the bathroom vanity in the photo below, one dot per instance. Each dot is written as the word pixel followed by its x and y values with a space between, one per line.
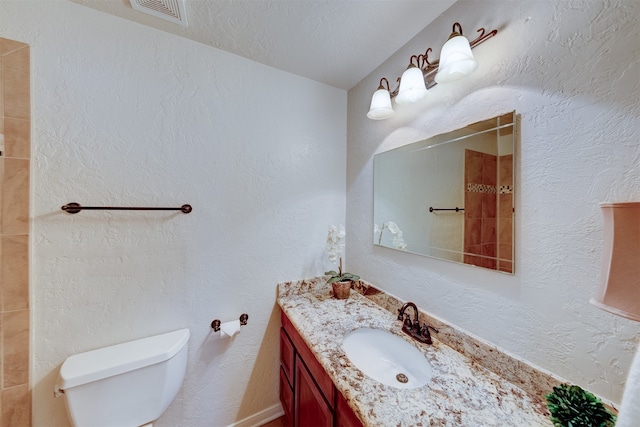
pixel 307 393
pixel 319 384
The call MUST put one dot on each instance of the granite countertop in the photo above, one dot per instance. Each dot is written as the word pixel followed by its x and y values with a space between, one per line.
pixel 460 393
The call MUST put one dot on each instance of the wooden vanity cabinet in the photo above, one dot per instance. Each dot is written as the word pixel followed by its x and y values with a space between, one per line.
pixel 310 407
pixel 344 414
pixel 308 396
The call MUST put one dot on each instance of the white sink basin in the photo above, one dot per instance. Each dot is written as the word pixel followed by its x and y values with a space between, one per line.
pixel 387 358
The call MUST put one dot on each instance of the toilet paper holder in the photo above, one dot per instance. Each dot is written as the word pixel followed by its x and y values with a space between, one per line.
pixel 215 325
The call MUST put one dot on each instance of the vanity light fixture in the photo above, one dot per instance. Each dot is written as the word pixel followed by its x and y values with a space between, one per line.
pixel 456 61
pixel 412 86
pixel 381 103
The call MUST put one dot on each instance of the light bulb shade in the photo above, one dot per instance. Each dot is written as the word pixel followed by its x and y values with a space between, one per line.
pixel 456 60
pixel 619 290
pixel 380 105
pixel 412 87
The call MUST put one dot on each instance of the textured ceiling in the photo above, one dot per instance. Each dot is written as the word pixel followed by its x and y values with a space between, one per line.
pixel 337 42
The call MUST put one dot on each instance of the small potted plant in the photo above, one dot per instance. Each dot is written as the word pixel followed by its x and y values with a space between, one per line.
pixel 340 282
pixel 571 406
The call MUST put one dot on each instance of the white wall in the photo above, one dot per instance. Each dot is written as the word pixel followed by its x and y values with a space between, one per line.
pixel 570 69
pixel 127 115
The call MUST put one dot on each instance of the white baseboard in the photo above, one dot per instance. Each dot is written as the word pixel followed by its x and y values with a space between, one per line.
pixel 261 417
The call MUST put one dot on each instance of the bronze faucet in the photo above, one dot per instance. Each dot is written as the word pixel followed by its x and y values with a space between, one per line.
pixel 413 328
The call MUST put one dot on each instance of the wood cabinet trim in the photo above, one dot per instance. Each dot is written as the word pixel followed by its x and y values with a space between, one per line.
pixel 286 398
pixel 287 356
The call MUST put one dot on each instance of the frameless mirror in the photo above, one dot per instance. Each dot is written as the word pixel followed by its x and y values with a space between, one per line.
pixel 451 196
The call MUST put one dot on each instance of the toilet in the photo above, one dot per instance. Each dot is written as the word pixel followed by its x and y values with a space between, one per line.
pixel 124 385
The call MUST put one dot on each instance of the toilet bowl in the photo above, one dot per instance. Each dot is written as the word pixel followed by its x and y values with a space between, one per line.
pixel 125 385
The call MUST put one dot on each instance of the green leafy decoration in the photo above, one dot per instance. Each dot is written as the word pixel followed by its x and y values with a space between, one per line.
pixel 337 277
pixel 571 406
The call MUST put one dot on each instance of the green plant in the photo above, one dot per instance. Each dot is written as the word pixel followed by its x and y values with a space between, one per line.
pixel 571 406
pixel 339 276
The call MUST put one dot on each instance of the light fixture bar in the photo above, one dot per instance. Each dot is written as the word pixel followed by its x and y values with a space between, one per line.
pixel 429 68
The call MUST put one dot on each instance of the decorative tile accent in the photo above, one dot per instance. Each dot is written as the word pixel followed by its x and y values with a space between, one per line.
pixel 481 188
pixel 506 189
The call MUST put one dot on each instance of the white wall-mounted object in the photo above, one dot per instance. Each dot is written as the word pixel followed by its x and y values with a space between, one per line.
pixel 619 291
pixel 169 10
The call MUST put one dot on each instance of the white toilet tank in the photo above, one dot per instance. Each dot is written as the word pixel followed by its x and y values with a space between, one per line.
pixel 125 385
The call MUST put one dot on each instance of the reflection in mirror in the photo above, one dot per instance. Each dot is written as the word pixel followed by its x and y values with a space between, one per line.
pixel 450 196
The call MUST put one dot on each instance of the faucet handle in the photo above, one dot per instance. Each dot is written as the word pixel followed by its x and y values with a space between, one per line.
pixel 407 323
pixel 424 331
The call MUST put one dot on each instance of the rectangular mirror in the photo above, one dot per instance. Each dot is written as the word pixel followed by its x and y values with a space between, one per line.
pixel 451 196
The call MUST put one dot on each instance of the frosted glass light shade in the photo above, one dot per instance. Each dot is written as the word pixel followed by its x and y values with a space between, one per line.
pixel 619 291
pixel 412 87
pixel 456 60
pixel 380 105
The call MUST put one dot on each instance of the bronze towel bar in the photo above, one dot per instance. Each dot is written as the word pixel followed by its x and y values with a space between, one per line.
pixel 74 208
pixel 457 209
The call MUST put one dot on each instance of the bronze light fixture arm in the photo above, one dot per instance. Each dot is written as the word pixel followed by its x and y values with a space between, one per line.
pixel 430 67
pixel 381 86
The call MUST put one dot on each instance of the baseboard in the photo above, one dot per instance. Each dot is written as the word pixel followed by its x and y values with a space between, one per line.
pixel 261 417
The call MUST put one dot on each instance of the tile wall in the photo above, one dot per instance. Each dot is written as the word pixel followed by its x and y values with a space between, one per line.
pixel 480 220
pixel 488 216
pixel 15 143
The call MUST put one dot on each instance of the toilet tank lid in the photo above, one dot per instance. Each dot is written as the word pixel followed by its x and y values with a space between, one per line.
pixel 117 359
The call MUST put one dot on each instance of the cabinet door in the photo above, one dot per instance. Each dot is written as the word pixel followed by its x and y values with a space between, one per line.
pixel 311 409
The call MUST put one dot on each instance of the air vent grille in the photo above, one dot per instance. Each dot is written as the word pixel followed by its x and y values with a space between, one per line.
pixel 170 10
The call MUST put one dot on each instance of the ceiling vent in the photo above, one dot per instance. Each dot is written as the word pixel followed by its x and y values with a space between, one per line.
pixel 170 10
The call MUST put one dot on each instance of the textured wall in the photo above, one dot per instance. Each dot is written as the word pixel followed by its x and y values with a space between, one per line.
pixel 127 115
pixel 570 69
